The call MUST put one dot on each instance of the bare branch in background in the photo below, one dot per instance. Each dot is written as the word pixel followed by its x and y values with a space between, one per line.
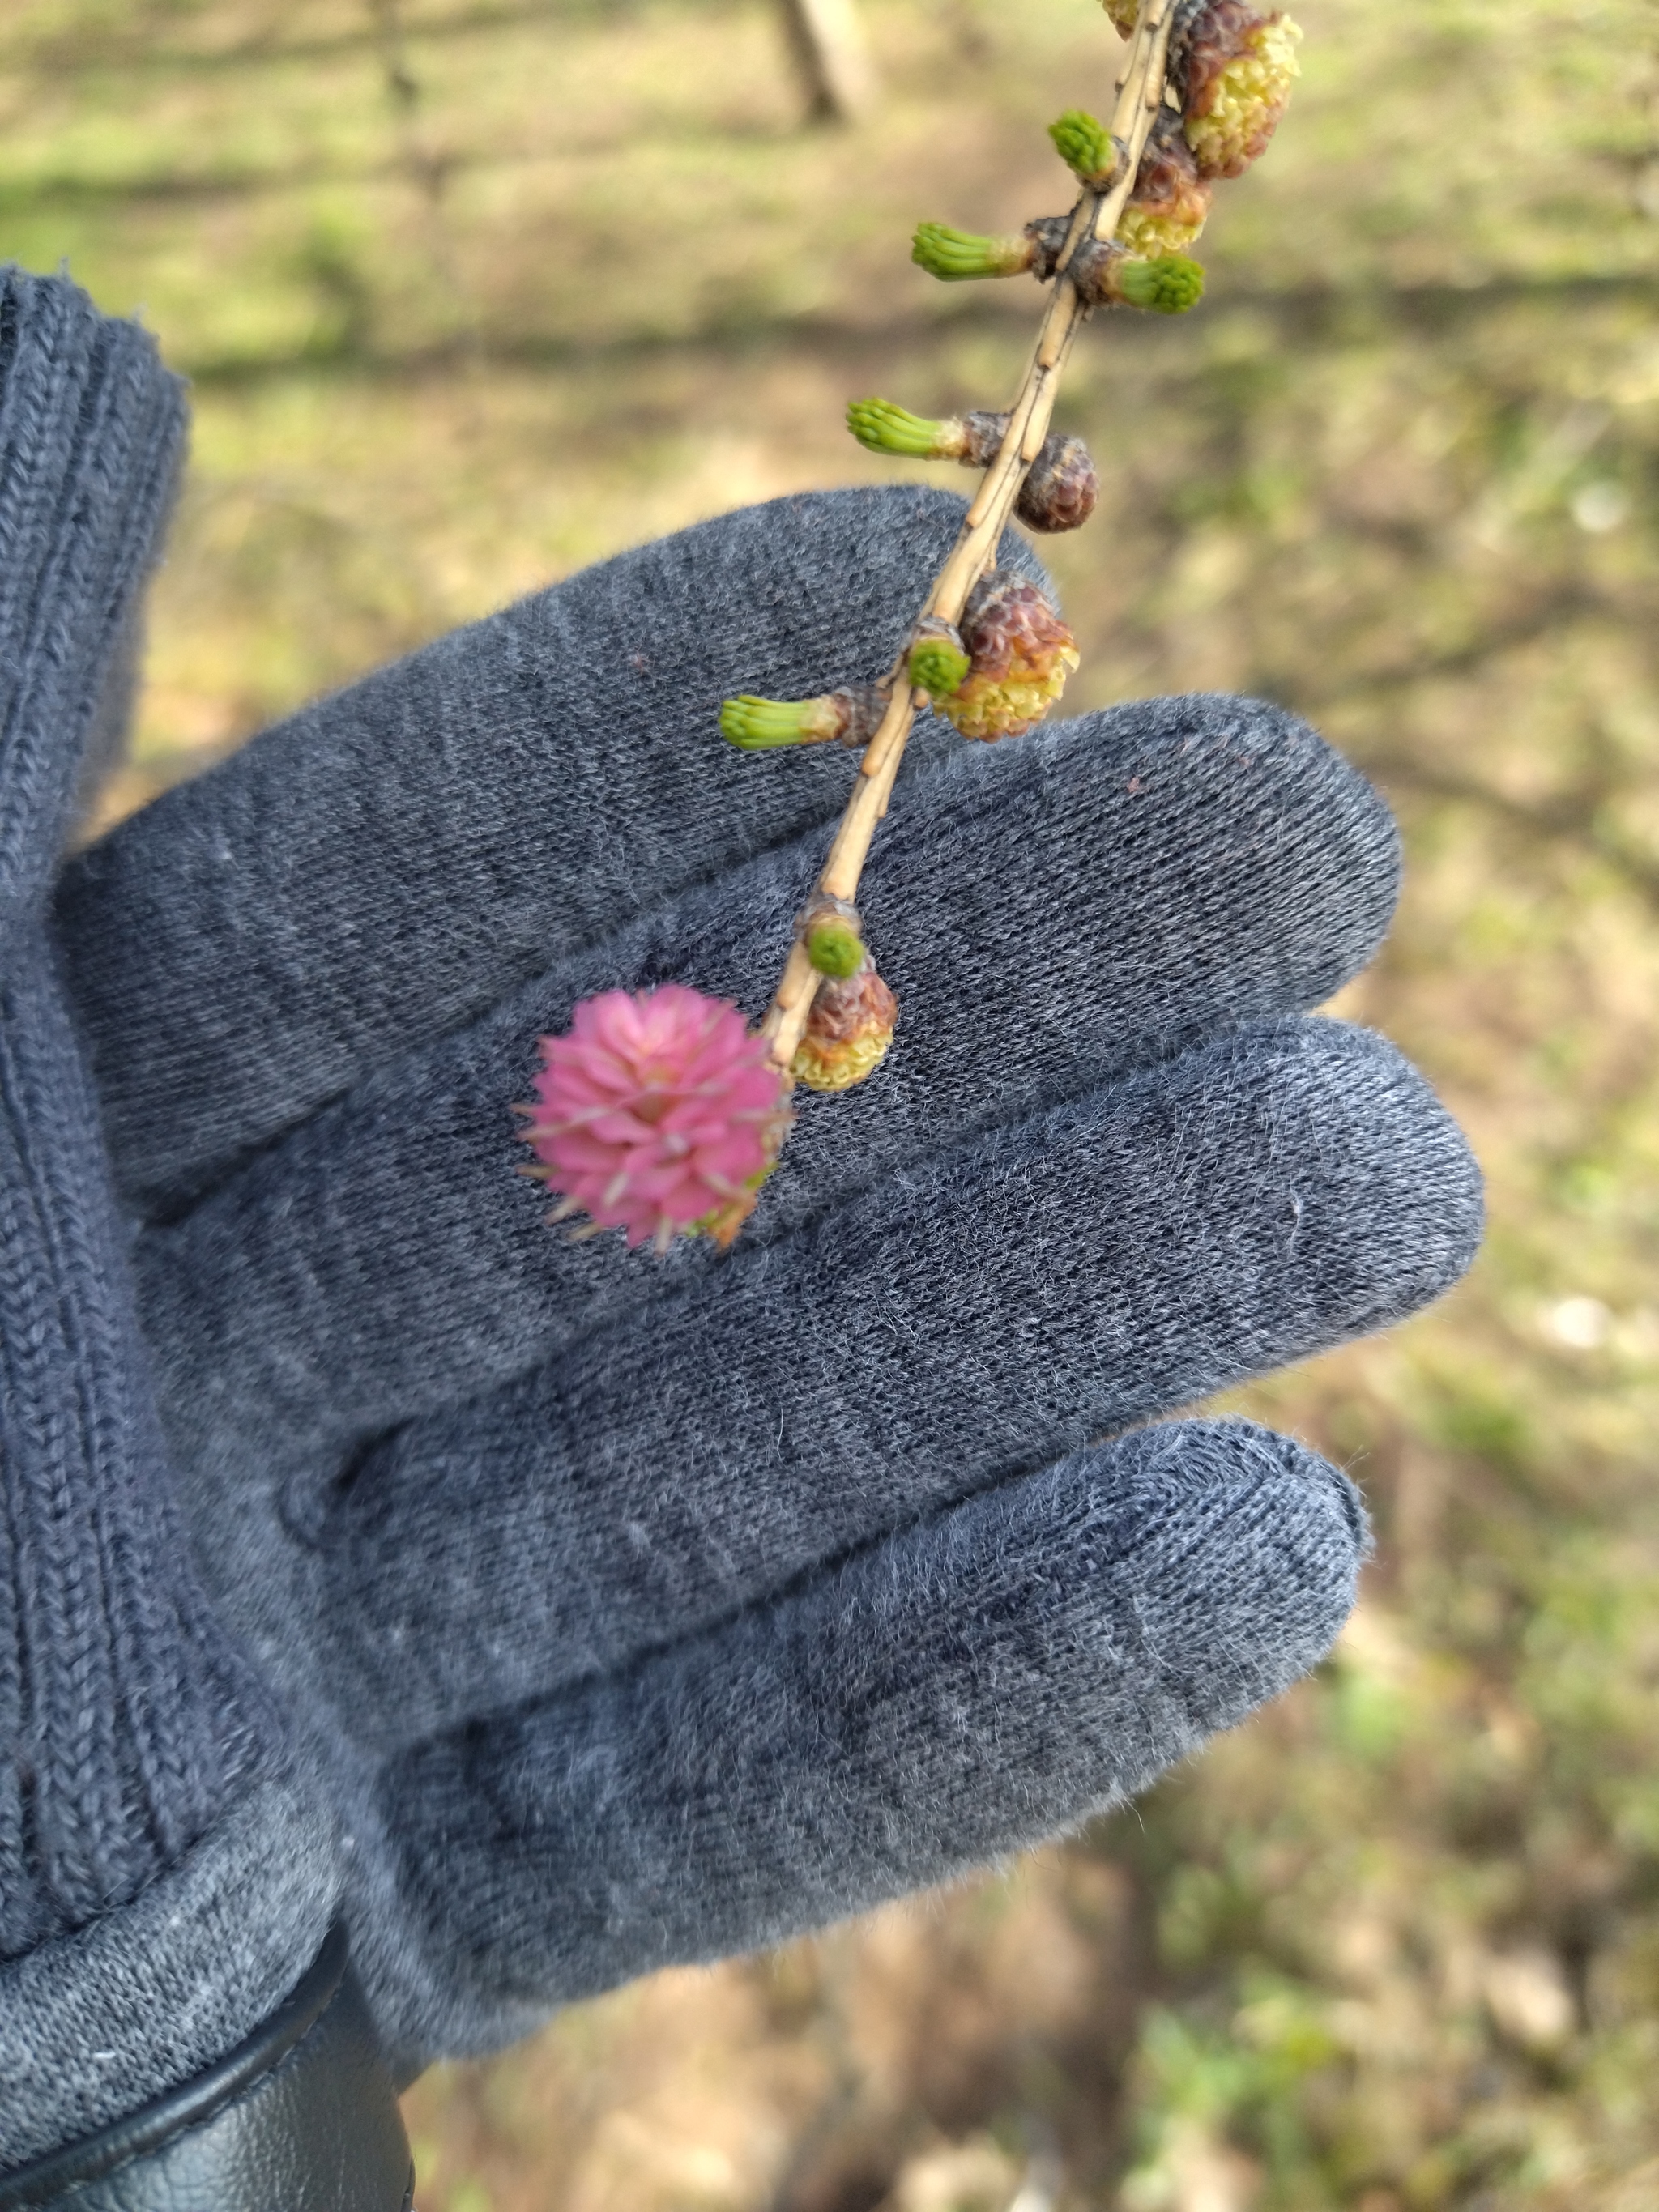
pixel 426 165
pixel 832 57
pixel 403 90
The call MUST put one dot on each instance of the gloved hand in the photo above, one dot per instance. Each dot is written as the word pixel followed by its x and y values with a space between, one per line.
pixel 628 1611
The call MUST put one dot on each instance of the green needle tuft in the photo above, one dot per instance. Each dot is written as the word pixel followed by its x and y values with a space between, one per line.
pixel 955 256
pixel 939 667
pixel 882 428
pixel 1167 286
pixel 1085 145
pixel 835 950
pixel 759 725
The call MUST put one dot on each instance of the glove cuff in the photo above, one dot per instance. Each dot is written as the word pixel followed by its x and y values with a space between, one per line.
pixel 303 2112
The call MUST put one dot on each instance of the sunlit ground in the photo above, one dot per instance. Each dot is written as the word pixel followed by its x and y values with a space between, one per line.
pixel 1395 1946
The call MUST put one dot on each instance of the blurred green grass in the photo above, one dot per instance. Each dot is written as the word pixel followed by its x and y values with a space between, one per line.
pixel 1396 1946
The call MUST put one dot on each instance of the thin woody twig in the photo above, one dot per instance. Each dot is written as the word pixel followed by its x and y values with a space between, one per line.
pixel 694 1106
pixel 1096 215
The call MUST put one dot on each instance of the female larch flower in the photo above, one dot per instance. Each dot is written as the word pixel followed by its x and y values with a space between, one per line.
pixel 658 1112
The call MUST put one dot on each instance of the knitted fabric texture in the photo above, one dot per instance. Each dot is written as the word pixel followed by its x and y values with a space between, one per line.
pixel 131 1728
pixel 633 1612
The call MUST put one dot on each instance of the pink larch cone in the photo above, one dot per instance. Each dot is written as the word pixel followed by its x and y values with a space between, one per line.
pixel 656 1111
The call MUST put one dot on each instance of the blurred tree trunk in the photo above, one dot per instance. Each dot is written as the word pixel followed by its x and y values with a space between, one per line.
pixel 828 42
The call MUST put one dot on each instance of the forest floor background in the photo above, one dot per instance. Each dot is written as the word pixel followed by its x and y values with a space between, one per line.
pixel 475 291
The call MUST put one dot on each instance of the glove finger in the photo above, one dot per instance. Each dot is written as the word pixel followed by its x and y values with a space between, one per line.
pixel 392 861
pixel 965 1322
pixel 970 1686
pixel 1052 914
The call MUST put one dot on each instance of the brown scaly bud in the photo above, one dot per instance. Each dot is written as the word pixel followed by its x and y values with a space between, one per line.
pixel 1021 654
pixel 847 1032
pixel 1047 236
pixel 1170 201
pixel 1063 486
pixel 982 434
pixel 1234 68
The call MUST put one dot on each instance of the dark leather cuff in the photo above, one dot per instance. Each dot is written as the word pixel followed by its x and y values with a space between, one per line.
pixel 301 2118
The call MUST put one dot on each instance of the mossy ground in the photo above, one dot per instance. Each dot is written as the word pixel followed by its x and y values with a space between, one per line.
pixel 1396 1946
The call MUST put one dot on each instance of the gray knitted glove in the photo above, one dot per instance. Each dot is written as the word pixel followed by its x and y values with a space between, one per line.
pixel 631 1612
pixel 166 1876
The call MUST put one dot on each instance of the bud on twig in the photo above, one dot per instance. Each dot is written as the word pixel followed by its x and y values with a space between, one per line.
pixel 940 662
pixel 1087 148
pixel 848 1033
pixel 829 929
pixel 1059 494
pixel 1062 489
pixel 956 257
pixel 852 716
pixel 1106 275
pixel 1237 68
pixel 1021 654
pixel 882 428
pixel 1047 236
pixel 1231 69
pixel 1170 202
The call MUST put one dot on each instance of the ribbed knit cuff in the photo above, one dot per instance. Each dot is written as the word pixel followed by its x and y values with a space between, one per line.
pixel 159 1890
pixel 97 2024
